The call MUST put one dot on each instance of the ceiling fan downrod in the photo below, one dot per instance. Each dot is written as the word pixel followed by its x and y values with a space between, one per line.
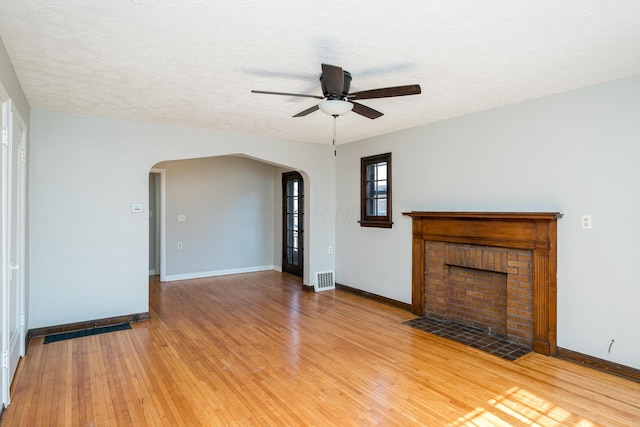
pixel 335 116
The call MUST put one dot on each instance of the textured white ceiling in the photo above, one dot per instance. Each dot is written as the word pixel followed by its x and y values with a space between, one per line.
pixel 195 62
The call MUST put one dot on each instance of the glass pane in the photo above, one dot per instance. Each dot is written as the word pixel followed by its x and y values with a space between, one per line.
pixel 371 173
pixel 382 207
pixel 371 189
pixel 382 187
pixel 371 207
pixel 290 204
pixel 382 170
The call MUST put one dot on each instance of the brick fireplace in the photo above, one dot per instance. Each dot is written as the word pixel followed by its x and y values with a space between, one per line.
pixel 483 286
pixel 496 271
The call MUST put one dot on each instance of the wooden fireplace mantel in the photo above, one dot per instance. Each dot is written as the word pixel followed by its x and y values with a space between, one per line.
pixel 535 231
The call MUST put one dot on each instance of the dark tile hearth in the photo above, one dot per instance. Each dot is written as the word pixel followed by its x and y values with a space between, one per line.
pixel 471 336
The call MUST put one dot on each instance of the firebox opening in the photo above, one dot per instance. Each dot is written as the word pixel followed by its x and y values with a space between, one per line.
pixel 478 298
pixel 481 286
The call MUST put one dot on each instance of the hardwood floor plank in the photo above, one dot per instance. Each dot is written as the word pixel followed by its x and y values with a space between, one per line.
pixel 253 349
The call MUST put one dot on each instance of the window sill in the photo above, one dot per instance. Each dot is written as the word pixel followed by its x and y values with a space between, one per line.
pixel 377 224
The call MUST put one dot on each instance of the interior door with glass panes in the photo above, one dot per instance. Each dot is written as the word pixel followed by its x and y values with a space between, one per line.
pixel 292 221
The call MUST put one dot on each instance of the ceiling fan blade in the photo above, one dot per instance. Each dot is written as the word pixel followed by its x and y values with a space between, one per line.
pixel 333 79
pixel 287 94
pixel 363 110
pixel 386 92
pixel 307 111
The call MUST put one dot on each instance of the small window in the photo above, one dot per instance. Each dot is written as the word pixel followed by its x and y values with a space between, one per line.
pixel 375 191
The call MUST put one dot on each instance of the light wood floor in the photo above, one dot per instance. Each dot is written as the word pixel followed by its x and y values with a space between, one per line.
pixel 254 349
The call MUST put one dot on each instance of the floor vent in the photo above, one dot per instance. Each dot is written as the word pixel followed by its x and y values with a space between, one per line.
pixel 324 281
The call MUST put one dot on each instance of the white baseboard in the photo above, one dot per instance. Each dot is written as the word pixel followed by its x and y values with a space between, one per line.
pixel 202 274
pixel 152 272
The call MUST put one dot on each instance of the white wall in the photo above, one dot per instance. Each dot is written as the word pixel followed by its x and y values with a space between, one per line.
pixel 88 252
pixel 575 153
pixel 228 203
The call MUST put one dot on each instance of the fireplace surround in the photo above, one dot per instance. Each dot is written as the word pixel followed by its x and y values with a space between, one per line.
pixel 483 248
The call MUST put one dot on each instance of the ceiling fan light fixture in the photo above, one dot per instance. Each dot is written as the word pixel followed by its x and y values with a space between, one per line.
pixel 335 107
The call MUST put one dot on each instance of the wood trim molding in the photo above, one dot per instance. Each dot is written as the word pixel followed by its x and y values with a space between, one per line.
pixel 379 298
pixel 535 231
pixel 87 324
pixel 602 365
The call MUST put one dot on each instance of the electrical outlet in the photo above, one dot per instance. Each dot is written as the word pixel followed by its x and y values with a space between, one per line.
pixel 586 222
pixel 179 245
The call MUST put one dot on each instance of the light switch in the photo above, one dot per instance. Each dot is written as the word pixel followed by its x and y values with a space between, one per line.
pixel 182 218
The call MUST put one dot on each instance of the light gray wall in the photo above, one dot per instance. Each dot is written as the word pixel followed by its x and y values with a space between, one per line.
pixel 576 153
pixel 89 253
pixel 228 203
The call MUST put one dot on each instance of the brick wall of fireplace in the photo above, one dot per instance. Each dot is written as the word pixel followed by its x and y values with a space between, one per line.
pixel 483 286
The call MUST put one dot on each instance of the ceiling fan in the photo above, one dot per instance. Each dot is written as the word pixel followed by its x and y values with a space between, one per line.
pixel 336 99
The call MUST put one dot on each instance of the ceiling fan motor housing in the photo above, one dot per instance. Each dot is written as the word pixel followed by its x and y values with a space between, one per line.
pixel 345 88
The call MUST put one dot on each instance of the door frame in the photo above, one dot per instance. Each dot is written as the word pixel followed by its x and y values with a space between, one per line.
pixel 5 384
pixel 163 222
pixel 9 113
pixel 19 154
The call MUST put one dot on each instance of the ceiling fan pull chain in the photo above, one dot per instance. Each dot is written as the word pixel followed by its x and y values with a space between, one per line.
pixel 334 134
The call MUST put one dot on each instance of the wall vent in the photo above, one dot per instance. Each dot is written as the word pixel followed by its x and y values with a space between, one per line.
pixel 324 281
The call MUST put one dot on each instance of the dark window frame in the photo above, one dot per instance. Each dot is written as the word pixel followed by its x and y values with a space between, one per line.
pixel 366 220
